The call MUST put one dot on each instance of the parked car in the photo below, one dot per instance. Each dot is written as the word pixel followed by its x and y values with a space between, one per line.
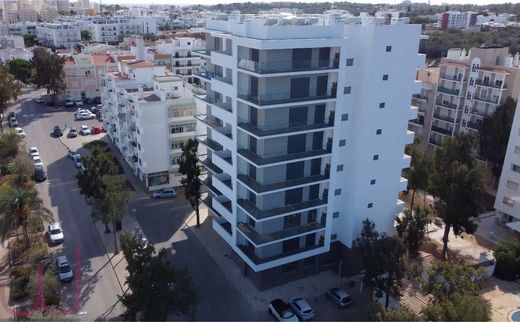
pixel 69 103
pixel 39 174
pixel 84 130
pixel 72 133
pixel 39 100
pixel 96 129
pixel 33 151
pixel 13 122
pixel 20 132
pixel 73 154
pixel 77 161
pixel 85 115
pixel 339 296
pixel 37 161
pixel 78 103
pixel 302 308
pixel 64 270
pixel 164 193
pixel 57 132
pixel 55 233
pixel 12 114
pixel 281 310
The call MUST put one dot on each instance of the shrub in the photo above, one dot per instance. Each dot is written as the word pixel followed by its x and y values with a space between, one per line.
pixel 35 224
pixel 19 289
pixel 507 256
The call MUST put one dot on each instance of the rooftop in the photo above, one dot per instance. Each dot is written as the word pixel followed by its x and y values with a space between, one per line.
pixel 139 63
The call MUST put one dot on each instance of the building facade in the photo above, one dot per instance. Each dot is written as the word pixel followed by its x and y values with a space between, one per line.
pixel 184 59
pixel 148 116
pixel 113 30
pixel 58 35
pixel 306 123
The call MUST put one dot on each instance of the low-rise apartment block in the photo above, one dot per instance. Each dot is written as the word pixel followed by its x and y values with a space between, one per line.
pixel 113 30
pixel 184 57
pixel 58 35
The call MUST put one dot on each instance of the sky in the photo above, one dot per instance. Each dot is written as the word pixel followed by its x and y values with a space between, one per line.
pixel 211 2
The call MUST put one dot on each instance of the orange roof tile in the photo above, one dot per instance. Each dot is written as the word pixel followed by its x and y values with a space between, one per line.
pixel 101 59
pixel 494 69
pixel 140 63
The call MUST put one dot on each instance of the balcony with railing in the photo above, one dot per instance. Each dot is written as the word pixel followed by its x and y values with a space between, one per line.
pixel 202 72
pixel 456 78
pixel 420 97
pixel 417 122
pixel 451 106
pixel 492 100
pixel 210 166
pixel 449 91
pixel 441 130
pixel 281 97
pixel 215 124
pixel 262 260
pixel 473 125
pixel 288 66
pixel 259 214
pixel 435 141
pixel 205 53
pixel 478 112
pixel 262 239
pixel 208 183
pixel 260 188
pixel 211 100
pixel 496 85
pixel 284 128
pixel 445 118
pixel 209 143
pixel 261 160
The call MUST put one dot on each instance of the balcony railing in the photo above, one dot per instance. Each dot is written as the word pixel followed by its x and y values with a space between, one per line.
pixel 493 100
pixel 287 66
pixel 280 98
pixel 202 52
pixel 258 260
pixel 211 144
pixel 451 77
pixel 202 73
pixel 208 183
pixel 264 214
pixel 213 123
pixel 211 166
pixel 449 91
pixel 442 130
pixel 488 84
pixel 286 184
pixel 259 239
pixel 206 98
pixel 275 129
pixel 435 141
pixel 263 160
pixel 447 105
pixel 443 117
pixel 472 125
pixel 420 97
pixel 416 122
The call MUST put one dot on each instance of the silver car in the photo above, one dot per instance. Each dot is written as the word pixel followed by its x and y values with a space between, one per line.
pixel 339 296
pixel 63 269
pixel 301 308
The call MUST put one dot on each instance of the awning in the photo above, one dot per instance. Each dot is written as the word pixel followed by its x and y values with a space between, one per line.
pixel 515 225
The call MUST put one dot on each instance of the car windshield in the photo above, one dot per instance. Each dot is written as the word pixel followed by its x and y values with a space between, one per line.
pixel 64 268
pixel 346 299
pixel 55 231
pixel 287 314
pixel 307 312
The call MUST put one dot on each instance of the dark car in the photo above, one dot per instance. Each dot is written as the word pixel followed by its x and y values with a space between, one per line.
pixel 57 132
pixel 11 114
pixel 39 174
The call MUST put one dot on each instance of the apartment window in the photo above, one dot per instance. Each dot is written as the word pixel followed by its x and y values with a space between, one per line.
pixel 337 192
pixel 346 90
pixel 350 61
pixel 333 237
pixel 375 157
pixel 373 181
pixel 344 117
pixel 508 201
pixel 181 128
pixel 335 214
pixel 176 145
pixel 139 146
pixel 381 105
pixel 385 77
pixel 388 49
pixel 512 185
pixel 517 149
pixel 370 205
pixel 379 131
pixel 339 168
pixel 342 142
pixel 87 73
pixel 515 168
pixel 181 111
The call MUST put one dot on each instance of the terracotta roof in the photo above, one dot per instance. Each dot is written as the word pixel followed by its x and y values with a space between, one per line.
pixel 494 69
pixel 125 57
pixel 163 56
pixel 101 59
pixel 453 63
pixel 139 63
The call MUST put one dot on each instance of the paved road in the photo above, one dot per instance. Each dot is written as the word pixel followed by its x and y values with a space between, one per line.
pixel 98 286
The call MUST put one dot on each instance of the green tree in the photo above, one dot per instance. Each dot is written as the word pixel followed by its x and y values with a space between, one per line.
pixel 16 205
pixel 22 168
pixel 49 72
pixel 21 69
pixel 401 313
pixel 8 146
pixel 97 165
pixel 494 135
pixel 411 228
pixel 457 180
pixel 85 35
pixel 507 256
pixel 419 172
pixel 189 168
pixel 462 307
pixel 447 278
pixel 29 40
pixel 157 287
pixel 113 204
pixel 9 91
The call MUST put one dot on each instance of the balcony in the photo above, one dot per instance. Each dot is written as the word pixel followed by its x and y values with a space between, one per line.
pixel 287 66
pixel 260 240
pixel 264 160
pixel 480 82
pixel 278 129
pixel 223 79
pixel 451 106
pixel 443 117
pixel 286 184
pixel 210 166
pixel 477 112
pixel 442 130
pixel 493 100
pixel 258 214
pixel 257 260
pixel 209 143
pixel 420 97
pixel 473 126
pixel 448 91
pixel 202 73
pixel 435 141
pixel 416 122
pixel 451 77
pixel 206 98
pixel 280 98
pixel 214 124
pixel 208 183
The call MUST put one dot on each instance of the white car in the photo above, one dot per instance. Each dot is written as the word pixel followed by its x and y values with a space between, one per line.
pixel 20 132
pixel 84 116
pixel 84 130
pixel 64 270
pixel 33 151
pixel 55 233
pixel 37 161
pixel 39 99
pixel 302 308
pixel 73 153
pixel 281 311
pixel 13 122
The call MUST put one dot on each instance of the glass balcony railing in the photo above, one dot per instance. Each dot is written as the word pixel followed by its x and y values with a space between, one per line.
pixel 280 98
pixel 259 239
pixel 286 184
pixel 449 91
pixel 285 128
pixel 261 260
pixel 287 66
pixel 214 124
pixel 417 122
pixel 208 183
pixel 451 77
pixel 263 160
pixel 211 166
pixel 202 52
pixel 264 214
pixel 202 73
pixel 477 112
pixel 206 98
pixel 211 144
pixel 442 130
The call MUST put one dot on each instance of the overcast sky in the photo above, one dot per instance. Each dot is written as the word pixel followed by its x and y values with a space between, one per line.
pixel 210 2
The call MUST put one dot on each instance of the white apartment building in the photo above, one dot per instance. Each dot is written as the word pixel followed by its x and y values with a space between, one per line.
pixel 63 5
pixel 58 35
pixel 82 74
pixel 11 42
pixel 184 57
pixel 112 30
pixel 148 116
pixel 306 125
pixel 507 201
pixel 471 86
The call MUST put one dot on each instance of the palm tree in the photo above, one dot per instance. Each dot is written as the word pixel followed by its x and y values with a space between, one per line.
pixel 16 205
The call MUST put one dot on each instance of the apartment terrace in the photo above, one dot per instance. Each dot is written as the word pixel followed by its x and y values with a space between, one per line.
pixel 262 260
pixel 260 188
pixel 259 214
pixel 274 67
pixel 292 157
pixel 258 239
